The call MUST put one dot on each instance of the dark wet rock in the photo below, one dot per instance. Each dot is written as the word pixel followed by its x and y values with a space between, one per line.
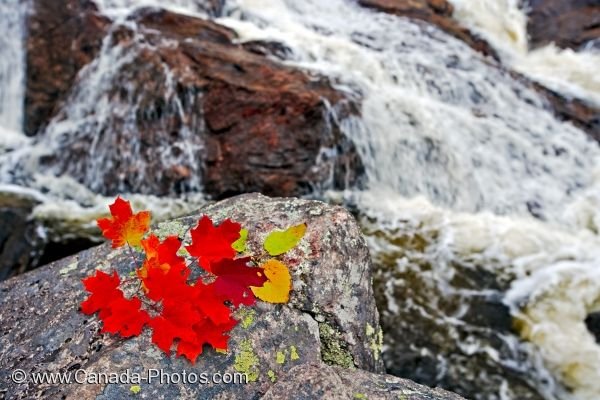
pixel 61 39
pixel 331 316
pixel 191 110
pixel 20 244
pixel 436 12
pixel 308 382
pixel 445 322
pixel 593 324
pixel 567 23
pixel 270 48
pixel 26 243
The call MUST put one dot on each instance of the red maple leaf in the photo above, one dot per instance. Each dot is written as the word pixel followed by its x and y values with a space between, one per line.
pixel 234 278
pixel 210 243
pixel 175 322
pixel 162 256
pixel 124 316
pixel 212 303
pixel 168 285
pixel 193 315
pixel 103 288
pixel 124 226
pixel 119 315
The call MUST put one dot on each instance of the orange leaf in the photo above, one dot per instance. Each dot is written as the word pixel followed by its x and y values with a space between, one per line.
pixel 161 255
pixel 278 285
pixel 124 226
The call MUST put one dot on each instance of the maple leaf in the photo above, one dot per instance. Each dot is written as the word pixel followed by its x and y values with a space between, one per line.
pixel 124 226
pixel 206 333
pixel 176 321
pixel 103 287
pixel 124 316
pixel 234 278
pixel 118 314
pixel 279 242
pixel 170 284
pixel 161 255
pixel 211 302
pixel 278 285
pixel 210 243
pixel 184 320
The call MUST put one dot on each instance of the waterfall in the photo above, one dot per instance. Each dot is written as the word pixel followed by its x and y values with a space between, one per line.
pixel 12 65
pixel 468 172
pixel 460 158
pixel 437 119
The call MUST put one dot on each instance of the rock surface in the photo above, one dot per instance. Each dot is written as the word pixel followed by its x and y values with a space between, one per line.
pixel 436 12
pixel 308 382
pixel 330 319
pixel 20 245
pixel 171 104
pixel 60 41
pixel 593 324
pixel 445 322
pixel 567 23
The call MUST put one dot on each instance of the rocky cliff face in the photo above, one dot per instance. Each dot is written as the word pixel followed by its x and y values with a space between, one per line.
pixel 327 336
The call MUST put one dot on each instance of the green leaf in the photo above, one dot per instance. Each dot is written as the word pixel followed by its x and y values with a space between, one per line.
pixel 240 244
pixel 279 242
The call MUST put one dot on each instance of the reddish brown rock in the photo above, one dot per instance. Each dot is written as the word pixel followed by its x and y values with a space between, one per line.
pixel 61 39
pixel 436 12
pixel 567 23
pixel 198 112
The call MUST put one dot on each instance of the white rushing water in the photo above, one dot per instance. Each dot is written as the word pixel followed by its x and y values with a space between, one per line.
pixel 12 65
pixel 451 145
pixel 439 121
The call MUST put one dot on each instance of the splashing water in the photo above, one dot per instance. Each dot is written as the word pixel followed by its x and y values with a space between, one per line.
pixel 437 119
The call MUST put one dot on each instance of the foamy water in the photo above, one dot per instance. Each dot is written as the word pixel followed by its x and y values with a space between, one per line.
pixel 456 152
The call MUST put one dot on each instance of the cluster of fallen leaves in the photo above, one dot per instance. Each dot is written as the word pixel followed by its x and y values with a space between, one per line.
pixel 186 313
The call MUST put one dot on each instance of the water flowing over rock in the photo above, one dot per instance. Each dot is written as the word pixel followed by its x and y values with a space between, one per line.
pixel 172 105
pixel 436 12
pixel 60 41
pixel 439 13
pixel 567 23
pixel 331 317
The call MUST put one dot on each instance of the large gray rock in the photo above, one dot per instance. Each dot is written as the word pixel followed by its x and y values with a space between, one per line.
pixel 307 382
pixel 330 318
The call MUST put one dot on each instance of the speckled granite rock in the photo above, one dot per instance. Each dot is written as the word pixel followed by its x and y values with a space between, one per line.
pixel 331 316
pixel 325 382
